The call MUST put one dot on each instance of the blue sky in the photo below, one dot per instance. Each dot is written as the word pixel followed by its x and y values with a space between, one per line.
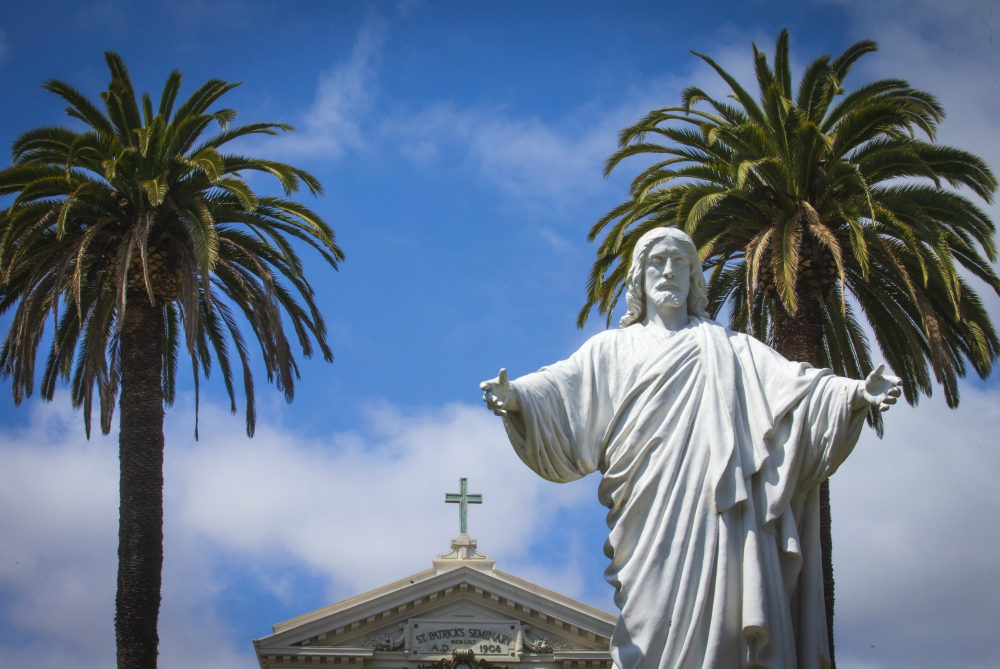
pixel 460 145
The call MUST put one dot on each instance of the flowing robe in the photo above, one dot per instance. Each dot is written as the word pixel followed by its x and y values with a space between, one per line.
pixel 712 447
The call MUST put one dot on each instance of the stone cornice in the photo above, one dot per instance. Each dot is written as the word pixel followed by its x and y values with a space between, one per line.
pixel 370 630
pixel 425 591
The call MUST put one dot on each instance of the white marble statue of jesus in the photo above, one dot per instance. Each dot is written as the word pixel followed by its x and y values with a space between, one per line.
pixel 712 447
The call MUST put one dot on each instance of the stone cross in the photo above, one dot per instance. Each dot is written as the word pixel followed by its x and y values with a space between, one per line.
pixel 463 499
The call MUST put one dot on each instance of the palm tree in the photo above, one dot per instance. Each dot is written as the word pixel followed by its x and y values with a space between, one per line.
pixel 138 237
pixel 810 205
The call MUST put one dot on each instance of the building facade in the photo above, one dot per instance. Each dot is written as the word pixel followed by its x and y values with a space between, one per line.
pixel 460 612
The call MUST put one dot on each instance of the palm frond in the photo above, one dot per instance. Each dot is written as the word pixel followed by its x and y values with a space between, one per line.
pixel 142 207
pixel 826 196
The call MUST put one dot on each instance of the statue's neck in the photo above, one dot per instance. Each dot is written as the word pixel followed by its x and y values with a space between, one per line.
pixel 668 318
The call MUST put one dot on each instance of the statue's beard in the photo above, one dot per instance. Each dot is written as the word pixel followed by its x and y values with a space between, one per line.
pixel 668 297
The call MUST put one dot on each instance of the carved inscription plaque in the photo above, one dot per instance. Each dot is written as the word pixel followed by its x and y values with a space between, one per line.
pixel 486 637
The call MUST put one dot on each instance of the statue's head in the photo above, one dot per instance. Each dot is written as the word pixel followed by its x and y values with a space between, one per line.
pixel 655 250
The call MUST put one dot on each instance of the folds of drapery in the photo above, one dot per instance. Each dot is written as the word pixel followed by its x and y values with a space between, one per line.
pixel 712 447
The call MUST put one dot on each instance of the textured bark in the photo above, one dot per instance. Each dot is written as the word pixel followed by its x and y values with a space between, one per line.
pixel 140 441
pixel 799 337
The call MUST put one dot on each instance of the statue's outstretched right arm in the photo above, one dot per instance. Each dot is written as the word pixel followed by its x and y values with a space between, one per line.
pixel 556 417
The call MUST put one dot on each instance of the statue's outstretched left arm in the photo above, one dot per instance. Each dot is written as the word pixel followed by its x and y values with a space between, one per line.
pixel 831 433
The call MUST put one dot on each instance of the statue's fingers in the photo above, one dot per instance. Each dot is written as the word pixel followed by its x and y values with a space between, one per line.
pixel 485 385
pixel 895 391
pixel 502 377
pixel 889 399
pixel 878 371
pixel 883 408
pixel 894 380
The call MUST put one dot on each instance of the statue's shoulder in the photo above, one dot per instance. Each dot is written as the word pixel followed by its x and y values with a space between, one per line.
pixel 741 341
pixel 718 328
pixel 613 340
pixel 611 337
pixel 746 344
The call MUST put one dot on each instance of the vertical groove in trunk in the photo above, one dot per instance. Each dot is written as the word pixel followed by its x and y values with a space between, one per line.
pixel 140 441
pixel 826 544
pixel 800 338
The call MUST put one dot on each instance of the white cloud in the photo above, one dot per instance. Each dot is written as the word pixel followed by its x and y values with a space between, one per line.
pixel 561 162
pixel 362 509
pixel 344 95
pixel 917 554
pixel 556 163
pixel 524 156
pixel 356 510
pixel 559 244
pixel 947 49
pixel 58 541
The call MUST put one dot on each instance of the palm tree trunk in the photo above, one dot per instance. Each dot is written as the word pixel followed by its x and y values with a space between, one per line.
pixel 799 337
pixel 140 442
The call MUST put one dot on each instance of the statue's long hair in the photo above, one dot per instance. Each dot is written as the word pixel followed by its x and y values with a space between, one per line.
pixel 635 287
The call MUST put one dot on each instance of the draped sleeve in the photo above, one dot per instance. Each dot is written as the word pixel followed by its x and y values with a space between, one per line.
pixel 565 410
pixel 830 429
pixel 805 418
pixel 803 426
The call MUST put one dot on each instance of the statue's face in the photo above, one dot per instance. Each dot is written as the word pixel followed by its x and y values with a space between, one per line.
pixel 667 274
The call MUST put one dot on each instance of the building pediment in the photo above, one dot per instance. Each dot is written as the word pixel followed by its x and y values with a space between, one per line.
pixel 462 611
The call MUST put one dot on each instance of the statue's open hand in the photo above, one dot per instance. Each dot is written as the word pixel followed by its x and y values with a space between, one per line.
pixel 880 390
pixel 499 396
